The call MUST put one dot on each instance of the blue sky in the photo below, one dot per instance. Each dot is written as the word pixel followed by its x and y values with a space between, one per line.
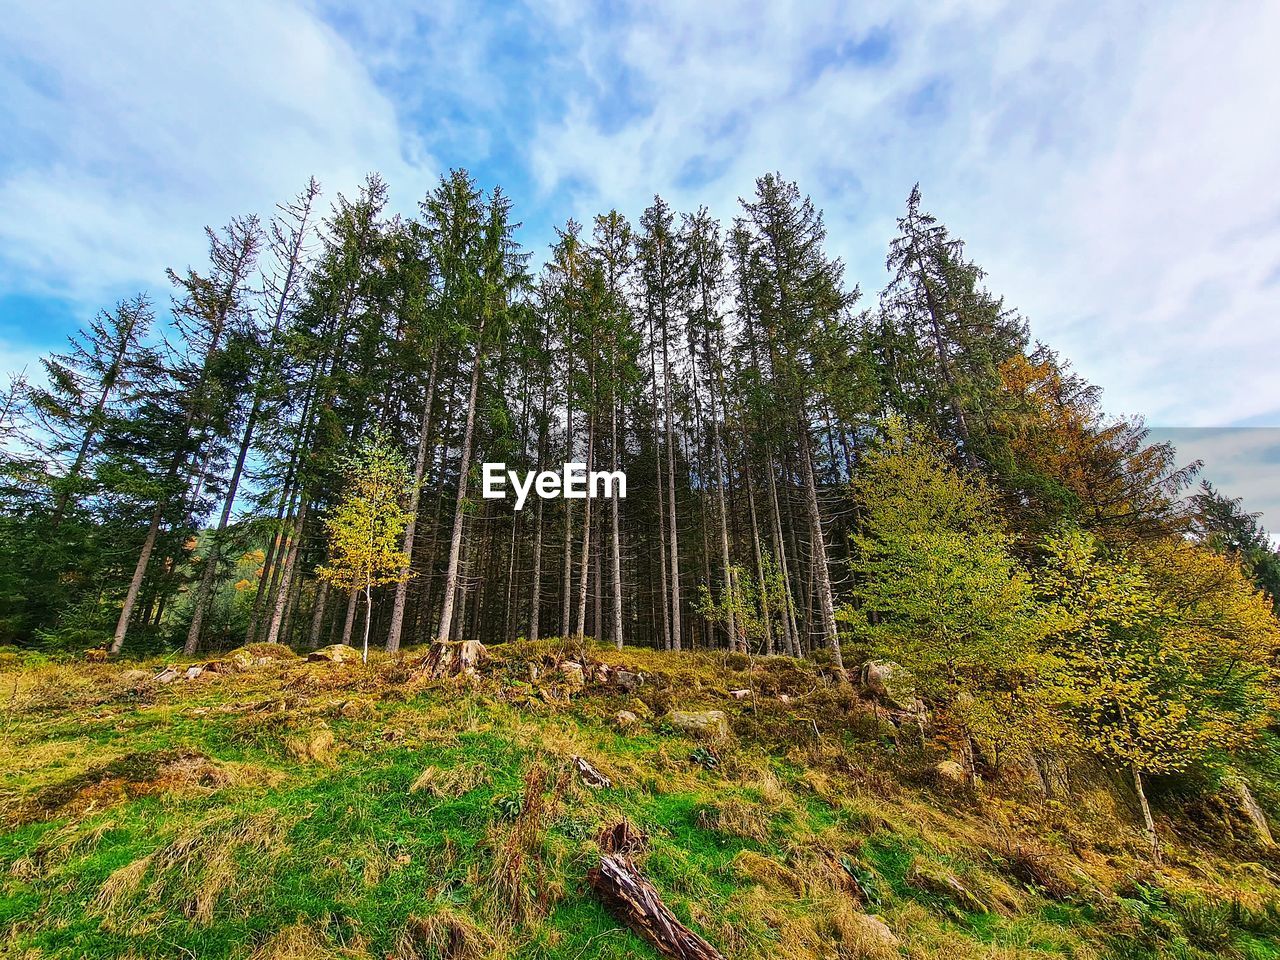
pixel 1113 166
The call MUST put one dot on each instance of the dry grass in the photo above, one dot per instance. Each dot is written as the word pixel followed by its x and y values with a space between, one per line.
pixel 521 886
pixel 737 818
pixel 301 941
pixel 450 783
pixel 317 745
pixel 444 935
pixel 198 869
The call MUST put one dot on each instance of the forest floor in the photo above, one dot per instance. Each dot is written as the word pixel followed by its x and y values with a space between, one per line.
pixel 294 809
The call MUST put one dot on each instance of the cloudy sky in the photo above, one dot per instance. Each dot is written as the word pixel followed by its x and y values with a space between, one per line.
pixel 1113 166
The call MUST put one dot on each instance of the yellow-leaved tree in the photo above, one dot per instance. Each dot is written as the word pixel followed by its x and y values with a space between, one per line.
pixel 1166 654
pixel 366 528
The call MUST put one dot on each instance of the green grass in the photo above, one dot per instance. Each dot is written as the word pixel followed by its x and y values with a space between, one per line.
pixel 344 847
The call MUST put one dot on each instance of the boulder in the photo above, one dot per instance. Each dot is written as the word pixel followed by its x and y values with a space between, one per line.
pixel 950 772
pixel 628 680
pixel 711 724
pixel 334 653
pixel 135 677
pixel 572 675
pixel 625 719
pixel 193 671
pixel 739 694
pixel 891 682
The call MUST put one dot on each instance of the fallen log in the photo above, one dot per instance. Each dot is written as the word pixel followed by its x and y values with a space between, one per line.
pixel 590 775
pixel 632 899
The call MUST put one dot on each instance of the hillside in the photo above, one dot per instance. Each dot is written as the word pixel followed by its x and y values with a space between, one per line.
pixel 277 808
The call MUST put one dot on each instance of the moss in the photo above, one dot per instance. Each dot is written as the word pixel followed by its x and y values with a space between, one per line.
pixel 776 849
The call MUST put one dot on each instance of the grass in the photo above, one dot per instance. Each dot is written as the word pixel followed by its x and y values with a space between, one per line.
pixel 294 810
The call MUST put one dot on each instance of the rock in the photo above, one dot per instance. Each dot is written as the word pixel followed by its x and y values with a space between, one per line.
pixel 571 673
pixel 1251 809
pixel 135 677
pixel 334 653
pixel 784 698
pixel 628 680
pixel 625 719
pixel 891 682
pixel 712 724
pixel 193 671
pixel 739 694
pixel 948 771
pixel 878 939
pixel 167 675
pixel 932 879
pixel 600 672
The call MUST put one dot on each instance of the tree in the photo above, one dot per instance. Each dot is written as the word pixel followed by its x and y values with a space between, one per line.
pixel 945 334
pixel 1061 458
pixel 795 292
pixel 1221 523
pixel 366 528
pixel 936 587
pixel 1165 656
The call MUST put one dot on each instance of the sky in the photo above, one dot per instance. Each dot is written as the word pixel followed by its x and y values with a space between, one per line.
pixel 1112 166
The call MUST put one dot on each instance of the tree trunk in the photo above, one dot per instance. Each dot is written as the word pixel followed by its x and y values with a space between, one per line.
pixel 581 623
pixel 464 467
pixel 287 571
pixel 1148 824
pixel 826 601
pixel 613 523
pixel 415 498
pixel 671 496
pixel 135 585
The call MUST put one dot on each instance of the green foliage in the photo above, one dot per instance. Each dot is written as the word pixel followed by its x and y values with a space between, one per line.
pixel 935 585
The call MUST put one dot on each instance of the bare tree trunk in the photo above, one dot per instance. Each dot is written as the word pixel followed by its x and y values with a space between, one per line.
pixel 659 485
pixel 671 496
pixel 766 614
pixel 135 585
pixel 790 632
pixel 415 498
pixel 317 615
pixel 214 556
pixel 613 521
pixel 581 622
pixel 1148 823
pixel 348 625
pixel 818 550
pixel 464 467
pixel 286 576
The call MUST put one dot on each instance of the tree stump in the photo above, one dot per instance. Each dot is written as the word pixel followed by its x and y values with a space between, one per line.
pixel 446 659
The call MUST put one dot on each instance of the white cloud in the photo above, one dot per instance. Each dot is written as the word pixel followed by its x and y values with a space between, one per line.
pixel 1113 172
pixel 139 123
